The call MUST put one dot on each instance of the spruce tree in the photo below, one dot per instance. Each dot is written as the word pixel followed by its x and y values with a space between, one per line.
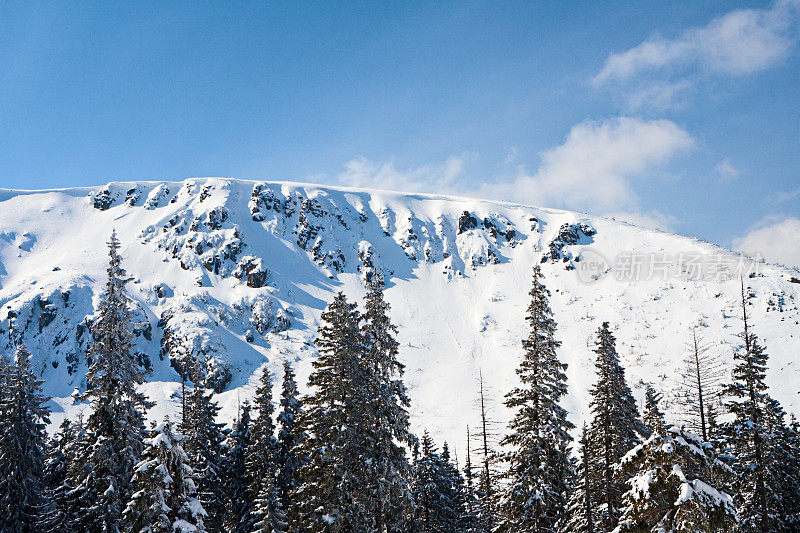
pixel 164 490
pixel 652 417
pixel 237 491
pixel 671 486
pixel 332 482
pixel 63 460
pixel 263 449
pixel 615 429
pixel 23 417
pixel 767 485
pixel 539 466
pixel 580 516
pixel 115 427
pixel 437 505
pixel 290 438
pixel 268 514
pixel 204 444
pixel 386 419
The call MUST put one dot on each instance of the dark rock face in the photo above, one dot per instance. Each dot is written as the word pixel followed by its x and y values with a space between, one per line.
pixel 102 200
pixel 466 222
pixel 252 272
pixel 568 235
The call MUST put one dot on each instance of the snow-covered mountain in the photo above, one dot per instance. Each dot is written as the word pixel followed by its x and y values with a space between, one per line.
pixel 238 273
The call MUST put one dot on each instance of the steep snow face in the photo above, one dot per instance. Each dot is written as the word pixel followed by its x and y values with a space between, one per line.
pixel 237 273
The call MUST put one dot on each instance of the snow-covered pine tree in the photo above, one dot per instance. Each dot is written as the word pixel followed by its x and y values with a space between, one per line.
pixel 454 488
pixel 65 456
pixel 671 486
pixel 289 438
pixel 268 514
pixel 55 474
pixel 23 417
pixel 699 384
pixel 615 429
pixel 766 491
pixel 237 492
pixel 437 505
pixel 204 444
pixel 164 490
pixel 332 486
pixel 580 515
pixel 115 426
pixel 783 454
pixel 539 466
pixel 387 421
pixel 263 450
pixel 652 416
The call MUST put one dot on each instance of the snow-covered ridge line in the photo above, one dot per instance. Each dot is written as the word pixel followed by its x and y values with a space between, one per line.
pixel 238 272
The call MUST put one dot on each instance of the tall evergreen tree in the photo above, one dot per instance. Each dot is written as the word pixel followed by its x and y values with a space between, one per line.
pixel 263 450
pixel 164 490
pixel 23 417
pixel 64 454
pixel 115 427
pixel 767 486
pixel 237 491
pixel 386 420
pixel 204 444
pixel 580 513
pixel 437 505
pixel 615 429
pixel 268 514
pixel 289 439
pixel 540 468
pixel 652 416
pixel 671 486
pixel 332 482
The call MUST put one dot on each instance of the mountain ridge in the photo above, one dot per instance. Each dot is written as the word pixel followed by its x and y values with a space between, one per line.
pixel 237 271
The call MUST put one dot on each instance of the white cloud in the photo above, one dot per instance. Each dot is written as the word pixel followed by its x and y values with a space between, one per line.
pixel 727 172
pixel 361 172
pixel 788 196
pixel 740 42
pixel 659 95
pixel 777 238
pixel 592 170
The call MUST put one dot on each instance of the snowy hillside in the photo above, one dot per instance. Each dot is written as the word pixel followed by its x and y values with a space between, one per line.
pixel 238 272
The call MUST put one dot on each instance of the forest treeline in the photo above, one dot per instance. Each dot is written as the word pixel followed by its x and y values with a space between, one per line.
pixel 342 458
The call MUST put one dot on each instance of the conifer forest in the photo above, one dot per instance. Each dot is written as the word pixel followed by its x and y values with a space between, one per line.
pixel 343 458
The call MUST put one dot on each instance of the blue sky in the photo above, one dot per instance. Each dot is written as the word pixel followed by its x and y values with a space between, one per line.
pixel 682 115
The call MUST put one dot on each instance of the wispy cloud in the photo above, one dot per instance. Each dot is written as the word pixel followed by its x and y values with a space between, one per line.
pixel 726 171
pixel 361 172
pixel 593 170
pixel 658 71
pixel 775 238
pixel 788 196
pixel 739 42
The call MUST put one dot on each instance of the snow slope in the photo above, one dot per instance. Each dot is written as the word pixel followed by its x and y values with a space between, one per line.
pixel 238 272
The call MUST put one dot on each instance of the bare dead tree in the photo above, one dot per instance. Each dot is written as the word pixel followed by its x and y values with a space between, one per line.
pixel 487 437
pixel 699 384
